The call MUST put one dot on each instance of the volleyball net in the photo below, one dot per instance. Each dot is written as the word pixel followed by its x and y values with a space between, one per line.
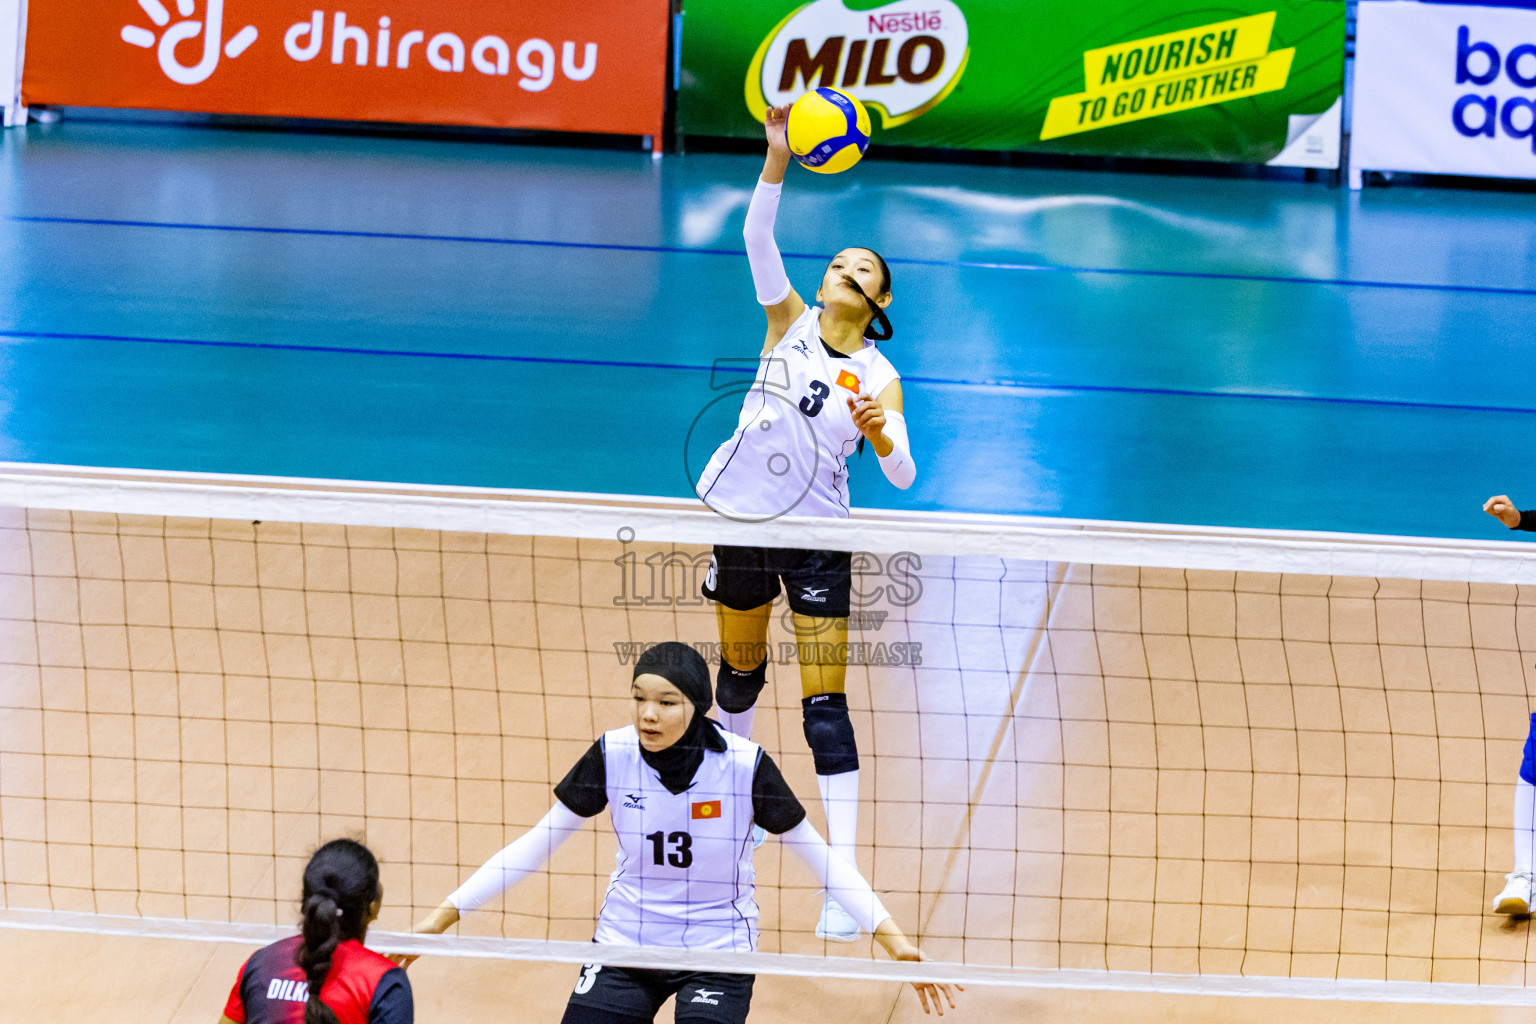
pixel 1093 755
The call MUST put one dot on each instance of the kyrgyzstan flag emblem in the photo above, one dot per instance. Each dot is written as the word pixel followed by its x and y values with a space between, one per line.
pixel 849 381
pixel 706 809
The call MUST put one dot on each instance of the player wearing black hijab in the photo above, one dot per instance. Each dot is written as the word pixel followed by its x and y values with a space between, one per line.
pixel 683 795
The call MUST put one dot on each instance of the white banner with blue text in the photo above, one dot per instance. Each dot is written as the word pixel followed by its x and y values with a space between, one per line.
pixel 1445 88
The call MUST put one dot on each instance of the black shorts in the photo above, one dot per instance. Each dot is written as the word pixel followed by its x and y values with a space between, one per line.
pixel 817 582
pixel 630 992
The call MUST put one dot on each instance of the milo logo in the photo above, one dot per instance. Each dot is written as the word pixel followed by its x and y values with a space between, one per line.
pixel 901 59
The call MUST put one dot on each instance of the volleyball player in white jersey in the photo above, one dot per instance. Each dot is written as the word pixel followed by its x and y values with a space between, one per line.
pixel 823 389
pixel 683 795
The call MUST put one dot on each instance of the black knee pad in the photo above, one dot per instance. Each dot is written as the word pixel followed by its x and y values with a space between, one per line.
pixel 735 690
pixel 829 732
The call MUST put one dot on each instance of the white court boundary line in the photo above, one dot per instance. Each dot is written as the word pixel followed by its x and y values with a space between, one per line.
pixel 799 965
pixel 675 521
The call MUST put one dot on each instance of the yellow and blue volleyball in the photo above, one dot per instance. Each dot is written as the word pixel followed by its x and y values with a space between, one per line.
pixel 828 130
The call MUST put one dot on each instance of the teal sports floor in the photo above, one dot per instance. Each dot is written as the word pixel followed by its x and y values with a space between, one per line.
pixel 1126 347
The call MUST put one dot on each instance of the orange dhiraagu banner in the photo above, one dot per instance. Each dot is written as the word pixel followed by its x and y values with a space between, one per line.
pixel 572 65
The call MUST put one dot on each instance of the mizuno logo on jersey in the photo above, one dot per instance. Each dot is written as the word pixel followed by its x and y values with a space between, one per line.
pixel 634 801
pixel 814 594
pixel 706 809
pixel 801 347
pixel 292 991
pixel 703 996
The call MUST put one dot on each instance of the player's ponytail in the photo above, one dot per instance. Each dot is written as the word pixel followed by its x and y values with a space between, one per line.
pixel 879 328
pixel 340 883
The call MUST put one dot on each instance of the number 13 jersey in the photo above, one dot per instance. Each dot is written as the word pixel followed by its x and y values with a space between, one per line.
pixel 788 455
pixel 683 874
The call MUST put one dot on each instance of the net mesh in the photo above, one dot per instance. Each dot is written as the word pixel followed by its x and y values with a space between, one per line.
pixel 1066 765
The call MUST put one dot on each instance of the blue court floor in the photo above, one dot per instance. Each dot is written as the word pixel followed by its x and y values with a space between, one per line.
pixel 1093 345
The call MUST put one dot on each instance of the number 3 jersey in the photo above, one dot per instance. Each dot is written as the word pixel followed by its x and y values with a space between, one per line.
pixel 788 455
pixel 683 874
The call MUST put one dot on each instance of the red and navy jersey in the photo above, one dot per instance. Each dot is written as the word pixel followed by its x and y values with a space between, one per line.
pixel 361 988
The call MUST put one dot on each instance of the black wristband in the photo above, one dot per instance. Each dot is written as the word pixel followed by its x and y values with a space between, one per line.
pixel 1527 522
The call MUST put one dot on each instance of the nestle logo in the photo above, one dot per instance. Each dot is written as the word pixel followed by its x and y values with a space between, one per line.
pixel 920 21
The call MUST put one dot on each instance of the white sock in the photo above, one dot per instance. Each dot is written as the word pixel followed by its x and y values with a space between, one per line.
pixel 738 722
pixel 1525 824
pixel 840 799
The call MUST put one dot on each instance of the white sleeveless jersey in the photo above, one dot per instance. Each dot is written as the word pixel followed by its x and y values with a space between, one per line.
pixel 684 866
pixel 789 453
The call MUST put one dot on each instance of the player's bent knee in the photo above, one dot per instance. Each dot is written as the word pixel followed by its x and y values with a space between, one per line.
pixel 829 732
pixel 736 690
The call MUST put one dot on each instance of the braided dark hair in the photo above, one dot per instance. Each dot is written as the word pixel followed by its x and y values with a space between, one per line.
pixel 340 883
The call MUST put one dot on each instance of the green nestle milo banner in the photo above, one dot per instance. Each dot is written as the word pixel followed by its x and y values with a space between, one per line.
pixel 1249 81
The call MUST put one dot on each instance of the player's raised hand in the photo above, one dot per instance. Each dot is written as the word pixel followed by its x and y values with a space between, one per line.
pixel 776 128
pixel 1501 508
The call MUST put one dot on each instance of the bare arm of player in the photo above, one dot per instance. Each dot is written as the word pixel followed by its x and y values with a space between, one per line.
pixel 853 893
pixel 782 304
pixel 1501 508
pixel 521 858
